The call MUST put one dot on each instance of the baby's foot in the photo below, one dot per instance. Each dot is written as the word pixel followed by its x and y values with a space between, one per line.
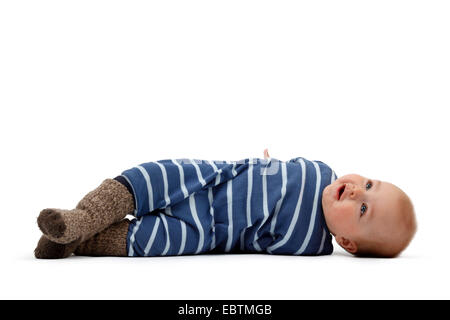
pixel 108 203
pixel 60 225
pixel 47 249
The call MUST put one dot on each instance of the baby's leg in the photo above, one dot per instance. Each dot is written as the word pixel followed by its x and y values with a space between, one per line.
pixel 110 242
pixel 100 208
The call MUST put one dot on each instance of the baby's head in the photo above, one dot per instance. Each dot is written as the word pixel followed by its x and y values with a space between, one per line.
pixel 368 217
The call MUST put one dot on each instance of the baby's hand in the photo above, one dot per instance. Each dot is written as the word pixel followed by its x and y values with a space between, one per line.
pixel 266 154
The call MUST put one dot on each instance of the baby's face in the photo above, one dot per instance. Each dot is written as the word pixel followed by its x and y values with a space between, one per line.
pixel 359 208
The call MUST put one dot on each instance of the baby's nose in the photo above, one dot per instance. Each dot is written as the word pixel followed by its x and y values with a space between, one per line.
pixel 355 192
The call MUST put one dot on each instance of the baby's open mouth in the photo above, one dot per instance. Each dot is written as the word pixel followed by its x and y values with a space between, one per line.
pixel 341 191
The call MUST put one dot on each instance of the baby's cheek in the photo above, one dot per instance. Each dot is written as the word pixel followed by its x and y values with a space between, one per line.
pixel 343 218
pixel 344 212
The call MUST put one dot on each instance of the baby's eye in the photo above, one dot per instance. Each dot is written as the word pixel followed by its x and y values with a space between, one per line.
pixel 363 208
pixel 368 185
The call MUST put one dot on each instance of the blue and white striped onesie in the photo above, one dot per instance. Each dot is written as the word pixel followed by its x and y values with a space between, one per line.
pixel 253 205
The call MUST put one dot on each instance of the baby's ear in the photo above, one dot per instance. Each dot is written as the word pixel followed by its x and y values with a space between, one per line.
pixel 347 244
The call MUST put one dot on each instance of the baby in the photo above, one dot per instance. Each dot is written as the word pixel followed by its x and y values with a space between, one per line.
pixel 265 205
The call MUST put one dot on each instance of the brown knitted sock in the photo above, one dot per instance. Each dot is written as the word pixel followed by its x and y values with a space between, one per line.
pixel 47 249
pixel 110 242
pixel 100 208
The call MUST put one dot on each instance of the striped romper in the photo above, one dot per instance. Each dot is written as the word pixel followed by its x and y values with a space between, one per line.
pixel 189 206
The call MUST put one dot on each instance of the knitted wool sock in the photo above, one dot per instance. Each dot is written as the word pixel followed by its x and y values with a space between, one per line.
pixel 110 242
pixel 100 208
pixel 47 249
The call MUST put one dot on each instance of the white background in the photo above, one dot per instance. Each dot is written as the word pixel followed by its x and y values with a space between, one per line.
pixel 91 88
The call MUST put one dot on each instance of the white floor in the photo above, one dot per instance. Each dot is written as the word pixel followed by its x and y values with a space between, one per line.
pixel 339 276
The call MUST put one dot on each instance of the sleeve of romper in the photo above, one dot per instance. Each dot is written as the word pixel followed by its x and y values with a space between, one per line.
pixel 159 184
